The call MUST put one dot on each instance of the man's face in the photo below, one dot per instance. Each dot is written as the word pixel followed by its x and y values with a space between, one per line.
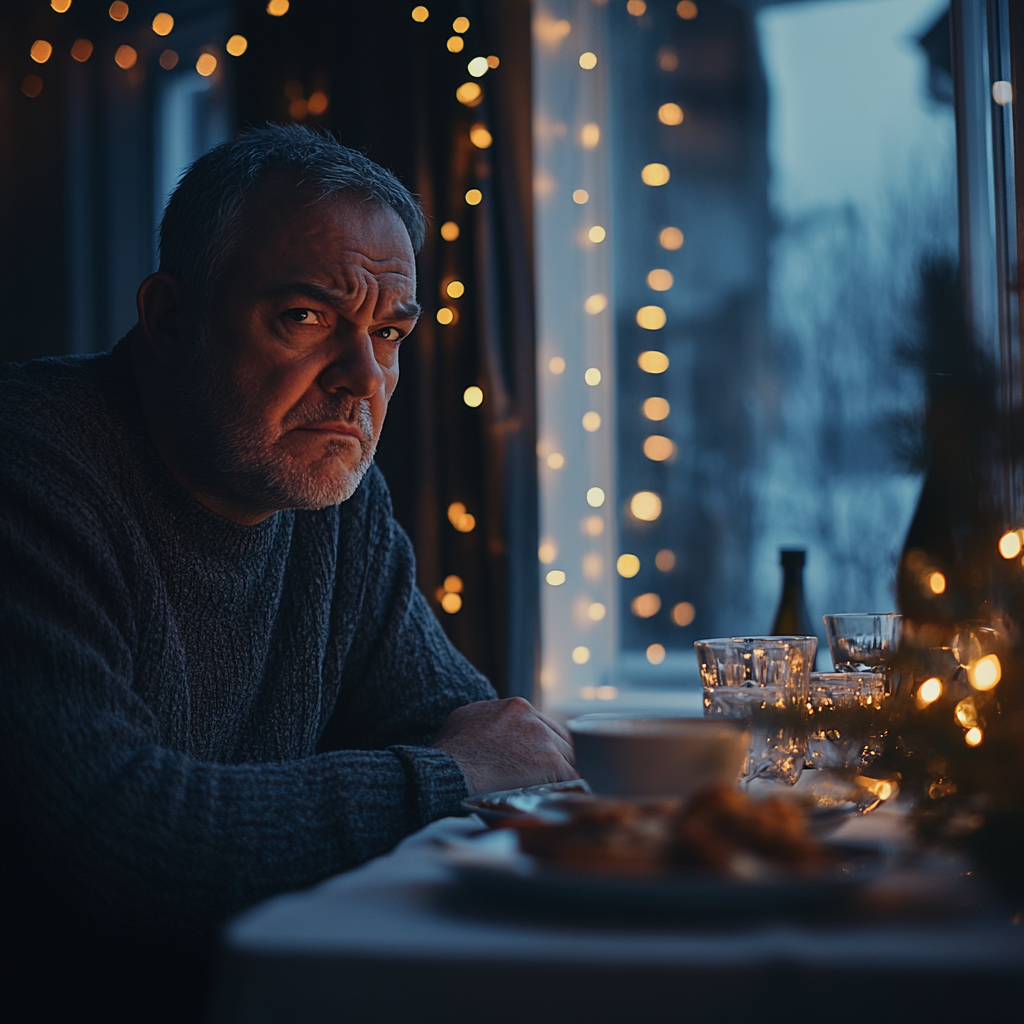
pixel 288 396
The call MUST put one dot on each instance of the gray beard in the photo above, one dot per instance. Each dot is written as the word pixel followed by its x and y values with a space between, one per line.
pixel 232 455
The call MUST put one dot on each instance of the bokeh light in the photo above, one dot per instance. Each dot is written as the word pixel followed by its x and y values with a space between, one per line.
pixel 548 550
pixel 445 316
pixel 455 44
pixel 655 654
pixel 651 318
pixel 474 197
pixel 168 60
pixel 556 364
pixel 32 86
pixel 985 673
pixel 555 578
pixel 455 289
pixel 469 94
pixel 1010 544
pixel 686 9
pixel 118 10
pixel 659 280
pixel 449 231
pixel 473 396
pixel 645 606
pixel 278 8
pixel 580 196
pixel 592 376
pixel 655 174
pixel 595 304
pixel 461 24
pixel 645 506
pixel 478 67
pixel 40 51
pixel 670 238
pixel 125 57
pixel 588 61
pixel 627 566
pixel 658 448
pixel 591 421
pixel 420 13
pixel 595 497
pixel 237 45
pixel 206 64
pixel 670 113
pixel 683 613
pixel 656 409
pixel 581 655
pixel 480 137
pixel 930 691
pixel 665 560
pixel 81 50
pixel 597 234
pixel 163 24
pixel 652 362
pixel 590 135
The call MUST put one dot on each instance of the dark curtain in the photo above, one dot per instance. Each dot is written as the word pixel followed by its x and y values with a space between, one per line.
pixel 391 87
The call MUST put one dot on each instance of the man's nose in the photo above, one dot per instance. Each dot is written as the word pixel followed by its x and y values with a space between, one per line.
pixel 354 368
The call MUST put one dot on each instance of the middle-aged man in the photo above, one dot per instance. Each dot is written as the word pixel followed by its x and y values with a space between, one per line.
pixel 219 678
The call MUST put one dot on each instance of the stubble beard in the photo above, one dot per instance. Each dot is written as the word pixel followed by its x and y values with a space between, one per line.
pixel 234 454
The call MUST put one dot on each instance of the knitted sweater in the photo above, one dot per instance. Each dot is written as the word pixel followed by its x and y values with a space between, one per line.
pixel 195 714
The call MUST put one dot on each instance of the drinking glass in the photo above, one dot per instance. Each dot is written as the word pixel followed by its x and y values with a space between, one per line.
pixel 846 730
pixel 862 642
pixel 765 681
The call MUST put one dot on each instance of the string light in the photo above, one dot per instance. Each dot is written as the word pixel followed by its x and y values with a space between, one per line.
pixel 588 61
pixel 592 376
pixel 670 238
pixel 478 67
pixel 445 316
pixel 659 280
pixel 656 408
pixel 645 506
pixel 651 318
pixel 455 44
pixel 81 49
pixel 930 691
pixel 474 197
pixel 580 196
pixel 40 51
pixel 278 8
pixel 163 24
pixel 455 289
pixel 652 362
pixel 658 448
pixel 645 606
pixel 168 60
pixel 237 45
pixel 595 497
pixel 473 396
pixel 581 655
pixel 548 551
pixel 597 234
pixel 936 583
pixel 655 174
pixel 985 673
pixel 420 14
pixel 670 113
pixel 125 57
pixel 555 578
pixel 627 566
pixel 683 613
pixel 462 520
pixel 973 737
pixel 32 86
pixel 469 94
pixel 595 304
pixel 591 422
pixel 480 137
pixel 206 64
pixel 451 603
pixel 449 231
pixel 118 11
pixel 665 560
pixel 461 24
pixel 556 364
pixel 655 654
pixel 1010 544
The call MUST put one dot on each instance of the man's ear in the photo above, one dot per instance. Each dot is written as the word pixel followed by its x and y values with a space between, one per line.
pixel 165 317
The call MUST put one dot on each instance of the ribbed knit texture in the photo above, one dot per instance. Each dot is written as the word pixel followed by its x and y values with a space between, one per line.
pixel 195 714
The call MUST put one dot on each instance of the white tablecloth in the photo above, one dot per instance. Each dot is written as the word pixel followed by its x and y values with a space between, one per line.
pixel 391 942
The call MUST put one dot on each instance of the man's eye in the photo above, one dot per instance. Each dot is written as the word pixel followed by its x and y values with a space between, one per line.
pixel 303 316
pixel 390 333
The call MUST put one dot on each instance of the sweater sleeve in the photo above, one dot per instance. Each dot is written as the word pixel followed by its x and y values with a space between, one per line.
pixel 402 676
pixel 145 834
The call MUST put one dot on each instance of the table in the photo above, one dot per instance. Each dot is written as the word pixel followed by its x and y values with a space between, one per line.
pixel 391 941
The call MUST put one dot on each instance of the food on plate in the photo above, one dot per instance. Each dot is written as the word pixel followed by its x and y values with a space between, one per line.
pixel 721 828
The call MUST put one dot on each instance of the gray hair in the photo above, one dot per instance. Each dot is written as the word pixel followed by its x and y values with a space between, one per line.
pixel 200 227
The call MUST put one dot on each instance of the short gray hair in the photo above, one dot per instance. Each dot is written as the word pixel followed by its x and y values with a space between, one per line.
pixel 200 227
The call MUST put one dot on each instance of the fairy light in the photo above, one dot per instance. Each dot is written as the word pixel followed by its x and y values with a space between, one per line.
pixel 590 135
pixel 493 62
pixel 581 196
pixel 555 578
pixel 478 67
pixel 40 51
pixel 450 231
pixel 455 44
pixel 473 396
pixel 645 506
pixel 469 94
pixel 420 14
pixel 985 673
pixel 627 566
pixel 659 280
pixel 936 583
pixel 556 460
pixel 655 175
pixel 592 526
pixel 656 409
pixel 1010 544
pixel 61 6
pixel 206 64
pixel 651 318
pixel 278 8
pixel 581 655
pixel 461 24
pixel 588 61
pixel 930 691
pixel 592 376
pixel 595 497
pixel 670 238
pixel 658 448
pixel 655 654
pixel 686 9
pixel 593 566
pixel 445 316
pixel 670 113
pixel 597 234
pixel 237 45
pixel 480 137
pixel 591 421
pixel 474 197
pixel 652 362
pixel 163 24
pixel 455 289
pixel 636 7
pixel 645 606
pixel 973 737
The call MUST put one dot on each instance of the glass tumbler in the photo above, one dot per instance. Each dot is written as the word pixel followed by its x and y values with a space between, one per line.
pixel 846 729
pixel 861 641
pixel 765 681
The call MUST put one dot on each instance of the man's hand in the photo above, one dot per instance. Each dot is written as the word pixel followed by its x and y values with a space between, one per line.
pixel 504 744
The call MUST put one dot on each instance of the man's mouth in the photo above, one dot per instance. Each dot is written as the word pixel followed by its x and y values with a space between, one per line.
pixel 347 429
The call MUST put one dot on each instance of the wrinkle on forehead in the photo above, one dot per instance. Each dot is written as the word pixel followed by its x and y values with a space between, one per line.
pixel 371 292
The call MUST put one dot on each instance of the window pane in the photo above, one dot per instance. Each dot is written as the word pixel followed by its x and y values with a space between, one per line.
pixel 732 210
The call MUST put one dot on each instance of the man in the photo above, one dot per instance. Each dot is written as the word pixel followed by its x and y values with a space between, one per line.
pixel 220 681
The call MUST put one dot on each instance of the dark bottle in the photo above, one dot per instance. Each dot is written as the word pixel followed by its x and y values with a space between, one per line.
pixel 792 618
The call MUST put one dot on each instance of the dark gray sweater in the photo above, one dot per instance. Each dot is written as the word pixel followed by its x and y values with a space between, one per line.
pixel 195 714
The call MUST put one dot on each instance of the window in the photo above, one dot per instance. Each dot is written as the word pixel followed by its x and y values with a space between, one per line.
pixel 732 210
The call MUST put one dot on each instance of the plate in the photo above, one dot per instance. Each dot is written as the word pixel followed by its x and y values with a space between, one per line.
pixel 498 807
pixel 492 863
